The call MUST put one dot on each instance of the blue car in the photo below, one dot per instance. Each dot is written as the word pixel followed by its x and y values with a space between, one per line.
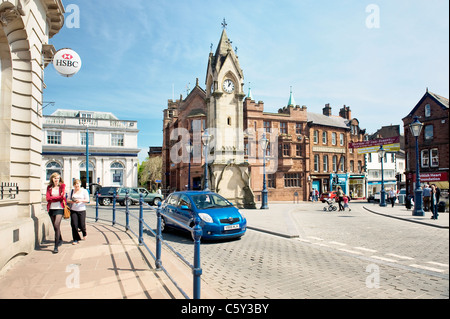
pixel 219 219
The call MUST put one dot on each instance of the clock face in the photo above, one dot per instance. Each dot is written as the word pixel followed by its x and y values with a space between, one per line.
pixel 228 86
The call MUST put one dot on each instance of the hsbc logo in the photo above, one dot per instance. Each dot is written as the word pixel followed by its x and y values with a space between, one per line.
pixel 67 62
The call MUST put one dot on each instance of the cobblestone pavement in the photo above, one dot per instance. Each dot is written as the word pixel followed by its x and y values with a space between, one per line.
pixel 336 255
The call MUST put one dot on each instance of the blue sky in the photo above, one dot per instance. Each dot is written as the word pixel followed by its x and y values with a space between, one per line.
pixel 137 54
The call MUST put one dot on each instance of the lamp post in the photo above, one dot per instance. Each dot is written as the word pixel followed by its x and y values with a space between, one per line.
pixel 416 128
pixel 381 153
pixel 87 160
pixel 264 193
pixel 189 150
pixel 205 140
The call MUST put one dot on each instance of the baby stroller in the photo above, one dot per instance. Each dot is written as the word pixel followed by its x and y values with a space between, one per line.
pixel 331 205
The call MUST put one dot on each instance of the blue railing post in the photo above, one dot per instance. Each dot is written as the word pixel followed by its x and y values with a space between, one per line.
pixel 127 211
pixel 114 208
pixel 158 261
pixel 197 271
pixel 96 206
pixel 141 218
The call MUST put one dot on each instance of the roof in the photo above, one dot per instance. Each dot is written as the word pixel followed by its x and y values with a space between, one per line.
pixel 334 121
pixel 76 113
pixel 440 100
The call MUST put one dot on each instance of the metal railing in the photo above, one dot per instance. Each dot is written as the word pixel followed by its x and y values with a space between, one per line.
pixel 9 190
pixel 196 234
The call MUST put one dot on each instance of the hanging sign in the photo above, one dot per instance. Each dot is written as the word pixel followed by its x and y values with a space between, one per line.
pixel 67 62
pixel 390 144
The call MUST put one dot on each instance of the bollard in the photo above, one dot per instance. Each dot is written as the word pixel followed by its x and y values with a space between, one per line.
pixel 141 218
pixel 197 271
pixel 127 211
pixel 114 208
pixel 158 261
pixel 96 206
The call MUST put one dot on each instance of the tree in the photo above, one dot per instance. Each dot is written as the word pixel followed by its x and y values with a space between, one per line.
pixel 149 171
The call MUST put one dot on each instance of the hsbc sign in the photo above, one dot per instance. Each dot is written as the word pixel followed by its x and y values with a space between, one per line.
pixel 67 62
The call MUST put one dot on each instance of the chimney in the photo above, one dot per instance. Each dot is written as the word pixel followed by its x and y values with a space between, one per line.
pixel 345 113
pixel 327 110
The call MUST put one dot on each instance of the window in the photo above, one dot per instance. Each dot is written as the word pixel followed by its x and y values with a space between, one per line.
pixel 117 173
pixel 53 167
pixel 117 140
pixel 333 138
pixel 325 163
pixel 229 121
pixel 292 180
pixel 298 150
pixel 267 126
pixel 283 127
pixel 334 163
pixel 341 139
pixel 434 155
pixel 271 181
pixel 342 164
pixel 298 128
pixel 427 110
pixel 369 157
pixel 428 132
pixel 352 166
pixel 54 137
pixel 184 201
pixel 286 150
pixel 83 138
pixel 324 137
pixel 316 137
pixel 425 158
pixel 359 166
pixel 316 163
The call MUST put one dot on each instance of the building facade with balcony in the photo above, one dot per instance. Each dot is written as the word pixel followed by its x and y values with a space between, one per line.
pixel 26 28
pixel 113 151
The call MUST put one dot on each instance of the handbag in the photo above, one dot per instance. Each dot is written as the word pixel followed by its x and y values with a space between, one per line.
pixel 66 211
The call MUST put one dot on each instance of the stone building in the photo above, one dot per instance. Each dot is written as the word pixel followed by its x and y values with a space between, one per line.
pixel 305 149
pixel 25 30
pixel 432 110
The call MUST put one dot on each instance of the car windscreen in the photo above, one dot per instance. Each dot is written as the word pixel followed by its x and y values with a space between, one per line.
pixel 206 201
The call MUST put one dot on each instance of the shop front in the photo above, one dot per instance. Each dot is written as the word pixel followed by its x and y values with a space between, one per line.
pixel 357 189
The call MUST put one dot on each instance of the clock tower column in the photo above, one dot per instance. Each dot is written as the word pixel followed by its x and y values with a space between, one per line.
pixel 229 173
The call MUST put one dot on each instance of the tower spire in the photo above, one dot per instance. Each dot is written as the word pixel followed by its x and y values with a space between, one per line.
pixel 291 99
pixel 249 95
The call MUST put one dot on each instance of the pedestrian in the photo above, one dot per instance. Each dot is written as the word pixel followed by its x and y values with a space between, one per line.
pixel 317 195
pixel 392 196
pixel 340 196
pixel 434 203
pixel 426 197
pixel 346 199
pixel 77 199
pixel 55 195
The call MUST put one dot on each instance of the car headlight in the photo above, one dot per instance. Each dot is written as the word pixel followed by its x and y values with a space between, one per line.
pixel 205 217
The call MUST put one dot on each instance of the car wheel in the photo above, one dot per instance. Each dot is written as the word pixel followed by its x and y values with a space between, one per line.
pixel 130 202
pixel 156 201
pixel 106 201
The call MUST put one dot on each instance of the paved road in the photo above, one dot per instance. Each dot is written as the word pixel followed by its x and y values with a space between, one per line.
pixel 337 255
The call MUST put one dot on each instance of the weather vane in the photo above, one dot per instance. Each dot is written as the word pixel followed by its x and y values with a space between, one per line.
pixel 224 24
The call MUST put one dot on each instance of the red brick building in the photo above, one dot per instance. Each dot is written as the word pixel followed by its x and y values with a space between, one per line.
pixel 433 141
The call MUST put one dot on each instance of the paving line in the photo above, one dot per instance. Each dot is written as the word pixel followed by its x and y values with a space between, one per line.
pixel 351 251
pixel 316 238
pixel 365 249
pixel 383 258
pixel 337 243
pixel 400 257
pixel 426 268
pixel 437 264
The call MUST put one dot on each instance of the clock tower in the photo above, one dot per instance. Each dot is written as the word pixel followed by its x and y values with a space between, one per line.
pixel 229 173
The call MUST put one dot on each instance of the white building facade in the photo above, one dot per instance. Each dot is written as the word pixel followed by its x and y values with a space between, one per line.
pixel 113 151
pixel 392 165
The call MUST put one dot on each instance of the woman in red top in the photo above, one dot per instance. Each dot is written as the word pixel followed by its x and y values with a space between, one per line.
pixel 56 191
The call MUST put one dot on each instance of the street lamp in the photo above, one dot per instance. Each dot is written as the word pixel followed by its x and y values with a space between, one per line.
pixel 264 143
pixel 416 128
pixel 206 138
pixel 381 153
pixel 189 150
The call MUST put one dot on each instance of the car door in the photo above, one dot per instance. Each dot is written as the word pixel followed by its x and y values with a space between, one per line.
pixel 184 210
pixel 170 207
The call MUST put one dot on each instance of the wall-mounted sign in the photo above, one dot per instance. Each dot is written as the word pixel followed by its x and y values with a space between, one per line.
pixel 67 62
pixel 390 144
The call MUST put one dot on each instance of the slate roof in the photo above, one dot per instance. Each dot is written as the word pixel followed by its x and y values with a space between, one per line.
pixel 333 121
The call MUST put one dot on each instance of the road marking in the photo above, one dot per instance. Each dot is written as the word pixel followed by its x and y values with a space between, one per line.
pixel 351 251
pixel 366 249
pixel 304 240
pixel 316 238
pixel 437 264
pixel 400 257
pixel 426 268
pixel 320 244
pixel 337 243
pixel 384 259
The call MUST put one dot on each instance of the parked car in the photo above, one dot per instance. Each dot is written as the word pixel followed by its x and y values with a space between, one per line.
pixel 106 194
pixel 374 197
pixel 328 195
pixel 134 195
pixel 219 218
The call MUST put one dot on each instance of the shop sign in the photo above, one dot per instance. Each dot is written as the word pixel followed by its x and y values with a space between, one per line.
pixel 67 62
